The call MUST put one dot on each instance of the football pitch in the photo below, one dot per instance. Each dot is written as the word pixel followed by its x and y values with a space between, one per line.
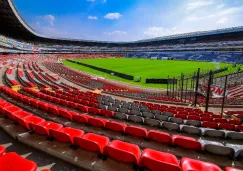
pixel 144 68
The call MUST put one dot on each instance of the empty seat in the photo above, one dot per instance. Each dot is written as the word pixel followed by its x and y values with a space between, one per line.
pixel 191 130
pixel 161 117
pixel 21 115
pixel 156 112
pixel 107 113
pixel 44 127
pixel 53 109
pixel 239 128
pixel 232 169
pixel 10 110
pixel 2 150
pixel 92 142
pixel 235 122
pixel 169 114
pixel 94 110
pixel 43 106
pixel 13 162
pixel 156 160
pixel 28 121
pixel 152 122
pixel 159 136
pixel 217 148
pixel 123 110
pixel 195 123
pixel 122 151
pixel 97 122
pixel 226 126
pixel 135 118
pixel 65 113
pixel 116 126
pixel 176 120
pixel 81 118
pixel 121 116
pixel 210 125
pixel 136 131
pixel 112 108
pixel 206 118
pixel 193 117
pixel 135 112
pixel 220 120
pixel 186 142
pixel 171 126
pixel 148 115
pixel 234 135
pixel 188 164
pixel 66 135
pixel 213 132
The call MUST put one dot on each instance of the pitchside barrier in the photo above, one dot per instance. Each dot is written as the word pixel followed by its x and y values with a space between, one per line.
pixel 118 74
pixel 161 81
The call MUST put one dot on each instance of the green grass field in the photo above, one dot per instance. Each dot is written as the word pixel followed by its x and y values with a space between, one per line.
pixel 145 68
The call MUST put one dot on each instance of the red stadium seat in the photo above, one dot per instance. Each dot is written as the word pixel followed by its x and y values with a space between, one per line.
pixel 9 111
pixel 235 122
pixel 136 131
pixel 82 108
pixel 186 142
pixel 122 151
pixel 180 116
pixel 107 113
pixel 65 113
pixel 43 106
pixel 188 164
pixel 239 128
pixel 13 162
pixel 216 116
pixel 28 121
pixel 156 160
pixel 2 150
pixel 232 169
pixel 66 135
pixel 192 117
pixel 81 118
pixel 220 120
pixel 160 136
pixel 206 118
pixel 226 126
pixel 94 110
pixel 92 142
pixel 97 122
pixel 116 126
pixel 53 109
pixel 213 125
pixel 21 115
pixel 44 127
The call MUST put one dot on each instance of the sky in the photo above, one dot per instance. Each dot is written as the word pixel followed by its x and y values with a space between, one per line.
pixel 128 20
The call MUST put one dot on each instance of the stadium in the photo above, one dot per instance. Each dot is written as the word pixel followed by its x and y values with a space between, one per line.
pixel 170 103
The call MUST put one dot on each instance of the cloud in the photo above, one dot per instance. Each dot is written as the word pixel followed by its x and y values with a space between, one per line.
pixel 220 6
pixel 197 4
pixel 216 15
pixel 90 0
pixel 92 17
pixel 222 20
pixel 160 31
pixel 104 1
pixel 116 33
pixel 112 16
pixel 49 18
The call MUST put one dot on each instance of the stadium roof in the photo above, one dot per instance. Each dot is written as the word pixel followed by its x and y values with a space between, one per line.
pixel 14 26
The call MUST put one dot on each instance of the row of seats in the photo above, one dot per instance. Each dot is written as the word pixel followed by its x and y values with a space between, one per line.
pixel 153 122
pixel 13 162
pixel 118 150
pixel 140 132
